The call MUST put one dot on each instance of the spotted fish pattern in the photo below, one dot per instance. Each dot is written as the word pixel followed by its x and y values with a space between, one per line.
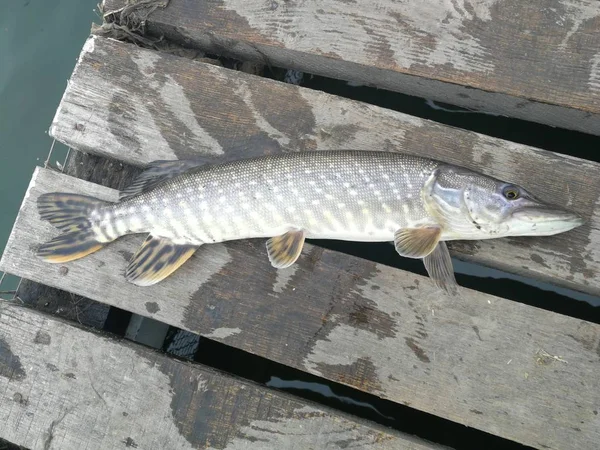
pixel 349 196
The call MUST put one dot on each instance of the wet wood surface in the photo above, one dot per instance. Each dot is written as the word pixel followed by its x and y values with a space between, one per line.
pixel 62 387
pixel 512 370
pixel 537 60
pixel 138 105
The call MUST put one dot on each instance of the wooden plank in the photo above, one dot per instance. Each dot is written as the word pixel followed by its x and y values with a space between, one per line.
pixel 515 371
pixel 63 387
pixel 138 105
pixel 537 60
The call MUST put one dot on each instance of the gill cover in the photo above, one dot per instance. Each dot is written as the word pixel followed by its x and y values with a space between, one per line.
pixel 446 197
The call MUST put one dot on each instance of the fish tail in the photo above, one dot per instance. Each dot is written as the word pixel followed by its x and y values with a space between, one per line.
pixel 70 213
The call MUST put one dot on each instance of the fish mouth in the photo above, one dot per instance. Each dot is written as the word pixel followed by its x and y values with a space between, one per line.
pixel 546 221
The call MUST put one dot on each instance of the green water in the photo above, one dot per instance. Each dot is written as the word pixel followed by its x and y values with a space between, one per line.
pixel 39 44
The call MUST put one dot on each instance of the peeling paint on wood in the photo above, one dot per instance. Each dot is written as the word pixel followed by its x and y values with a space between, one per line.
pixel 379 329
pixel 246 116
pixel 471 53
pixel 594 78
pixel 223 333
pixel 392 42
pixel 87 391
pixel 305 424
pixel 283 278
pixel 175 99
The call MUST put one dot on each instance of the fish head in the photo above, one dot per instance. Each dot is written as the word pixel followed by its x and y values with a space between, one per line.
pixel 475 206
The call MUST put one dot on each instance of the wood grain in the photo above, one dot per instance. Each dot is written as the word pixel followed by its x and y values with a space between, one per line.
pixel 515 371
pixel 537 60
pixel 80 389
pixel 137 105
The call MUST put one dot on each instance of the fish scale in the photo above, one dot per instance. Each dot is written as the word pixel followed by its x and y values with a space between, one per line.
pixel 369 196
pixel 348 196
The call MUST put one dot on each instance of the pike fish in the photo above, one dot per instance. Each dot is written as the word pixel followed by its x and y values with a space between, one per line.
pixel 416 203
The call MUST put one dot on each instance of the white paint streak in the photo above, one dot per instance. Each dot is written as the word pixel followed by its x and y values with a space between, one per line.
pixel 145 61
pixel 339 126
pixel 442 24
pixel 244 92
pixel 222 333
pixel 148 134
pixel 592 249
pixel 175 99
pixel 577 12
pixel 309 428
pixel 89 45
pixel 594 79
pixel 212 259
pixel 345 344
pixel 283 277
pixel 452 45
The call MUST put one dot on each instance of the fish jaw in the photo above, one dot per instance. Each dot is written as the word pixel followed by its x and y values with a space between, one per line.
pixel 543 221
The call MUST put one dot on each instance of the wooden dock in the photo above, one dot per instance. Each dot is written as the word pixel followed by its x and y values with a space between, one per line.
pixel 521 374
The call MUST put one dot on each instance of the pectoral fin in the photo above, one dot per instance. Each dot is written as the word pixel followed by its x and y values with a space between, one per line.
pixel 417 242
pixel 284 250
pixel 440 270
pixel 156 259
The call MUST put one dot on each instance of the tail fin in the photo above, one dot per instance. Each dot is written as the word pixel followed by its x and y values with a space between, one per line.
pixel 70 214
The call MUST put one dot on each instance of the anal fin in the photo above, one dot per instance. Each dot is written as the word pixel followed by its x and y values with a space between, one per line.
pixel 439 267
pixel 156 259
pixel 284 250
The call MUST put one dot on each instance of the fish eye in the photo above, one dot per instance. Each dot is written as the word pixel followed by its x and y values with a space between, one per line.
pixel 511 193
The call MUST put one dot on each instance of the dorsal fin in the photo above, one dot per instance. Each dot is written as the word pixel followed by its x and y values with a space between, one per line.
pixel 157 172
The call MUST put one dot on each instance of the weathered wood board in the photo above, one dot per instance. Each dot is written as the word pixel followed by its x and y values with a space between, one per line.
pixel 138 105
pixel 514 371
pixel 537 60
pixel 66 388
